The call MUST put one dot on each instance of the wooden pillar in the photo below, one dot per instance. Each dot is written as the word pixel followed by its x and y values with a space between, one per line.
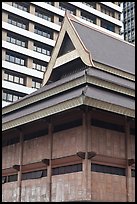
pixel 20 163
pixel 50 132
pixel 86 161
pixel 128 168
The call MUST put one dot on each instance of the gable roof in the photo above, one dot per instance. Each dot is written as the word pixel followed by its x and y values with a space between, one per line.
pixel 92 45
pixel 92 86
pixel 107 49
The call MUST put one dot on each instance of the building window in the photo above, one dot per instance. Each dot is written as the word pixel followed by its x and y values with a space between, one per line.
pixel 133 172
pixel 88 17
pixel 16 40
pixel 14 78
pixel 36 84
pixel 12 178
pixel 107 11
pixel 15 59
pixel 9 178
pixel 65 7
pixel 108 169
pixel 50 2
pixel 44 14
pixel 107 25
pixel 45 32
pixel 67 169
pixel 21 5
pixel 11 96
pixel 39 66
pixel 46 50
pixel 34 175
pixel 4 179
pixel 90 4
pixel 16 22
pixel 60 20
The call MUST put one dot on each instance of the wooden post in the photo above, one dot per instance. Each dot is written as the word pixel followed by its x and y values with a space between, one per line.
pixel 128 168
pixel 86 162
pixel 20 163
pixel 50 132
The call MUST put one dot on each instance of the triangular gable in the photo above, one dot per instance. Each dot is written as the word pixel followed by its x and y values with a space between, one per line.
pixel 66 46
pixel 62 53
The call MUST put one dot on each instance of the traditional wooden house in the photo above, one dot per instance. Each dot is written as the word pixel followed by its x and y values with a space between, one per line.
pixel 74 138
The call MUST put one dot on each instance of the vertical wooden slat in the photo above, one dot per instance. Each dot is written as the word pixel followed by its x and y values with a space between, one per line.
pixel 86 162
pixel 50 132
pixel 20 163
pixel 128 168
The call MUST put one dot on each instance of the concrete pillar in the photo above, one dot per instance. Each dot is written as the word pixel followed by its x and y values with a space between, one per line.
pixel 55 19
pixel 32 9
pixel 3 54
pixel 117 29
pixel 4 35
pixel 56 4
pixel 30 63
pixel 29 81
pixel 116 15
pixel 55 35
pixel 2 74
pixel 78 12
pixel 98 21
pixel 98 6
pixel 4 16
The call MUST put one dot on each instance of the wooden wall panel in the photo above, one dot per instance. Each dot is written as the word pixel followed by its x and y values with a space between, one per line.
pixel 107 187
pixel 10 192
pixel 107 142
pixel 67 187
pixel 10 155
pixel 67 142
pixel 36 149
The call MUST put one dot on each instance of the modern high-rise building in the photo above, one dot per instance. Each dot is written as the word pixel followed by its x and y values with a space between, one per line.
pixel 128 17
pixel 29 33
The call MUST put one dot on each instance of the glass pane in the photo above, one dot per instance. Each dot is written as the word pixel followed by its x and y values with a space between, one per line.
pixel 13 40
pixel 22 62
pixel 15 98
pixel 18 42
pixel 7 57
pixel 16 79
pixel 8 38
pixel 6 76
pixel 12 59
pixel 4 95
pixel 17 60
pixel 9 97
pixel 21 81
pixel 10 77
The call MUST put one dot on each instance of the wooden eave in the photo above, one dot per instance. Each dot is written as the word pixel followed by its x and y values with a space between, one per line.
pixel 114 71
pixel 66 105
pixel 68 84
